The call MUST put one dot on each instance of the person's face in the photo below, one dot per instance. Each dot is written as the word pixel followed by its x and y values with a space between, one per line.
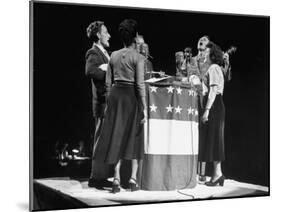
pixel 144 49
pixel 179 58
pixel 188 52
pixel 104 36
pixel 139 42
pixel 201 46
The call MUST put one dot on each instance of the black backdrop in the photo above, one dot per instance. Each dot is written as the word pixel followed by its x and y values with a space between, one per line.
pixel 62 95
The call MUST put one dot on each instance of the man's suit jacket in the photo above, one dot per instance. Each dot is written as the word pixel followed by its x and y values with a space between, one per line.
pixel 94 58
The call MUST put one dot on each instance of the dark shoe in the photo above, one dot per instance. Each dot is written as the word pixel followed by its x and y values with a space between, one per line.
pixel 116 186
pixel 133 185
pixel 106 183
pixel 99 183
pixel 219 181
pixel 202 178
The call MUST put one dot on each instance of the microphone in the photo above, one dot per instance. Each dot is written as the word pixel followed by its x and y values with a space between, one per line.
pixel 188 54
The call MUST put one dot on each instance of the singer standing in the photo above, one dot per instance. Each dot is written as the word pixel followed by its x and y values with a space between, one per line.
pixel 97 60
pixel 211 143
pixel 122 135
pixel 148 67
pixel 203 63
pixel 190 63
pixel 180 65
pixel 143 49
pixel 139 41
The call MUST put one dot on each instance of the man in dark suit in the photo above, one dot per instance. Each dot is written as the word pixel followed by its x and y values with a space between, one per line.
pixel 97 60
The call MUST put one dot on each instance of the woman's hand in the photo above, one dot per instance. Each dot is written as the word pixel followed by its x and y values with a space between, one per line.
pixel 144 116
pixel 226 58
pixel 205 116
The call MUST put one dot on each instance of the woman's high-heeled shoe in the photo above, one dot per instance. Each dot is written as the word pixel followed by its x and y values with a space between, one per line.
pixel 116 186
pixel 219 181
pixel 133 185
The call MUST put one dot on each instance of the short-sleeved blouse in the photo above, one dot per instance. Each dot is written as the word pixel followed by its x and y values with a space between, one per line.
pixel 123 67
pixel 213 77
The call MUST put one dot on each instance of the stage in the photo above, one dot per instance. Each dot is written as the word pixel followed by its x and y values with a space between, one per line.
pixel 58 193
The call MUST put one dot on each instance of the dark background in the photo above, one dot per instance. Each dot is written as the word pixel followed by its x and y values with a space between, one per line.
pixel 62 94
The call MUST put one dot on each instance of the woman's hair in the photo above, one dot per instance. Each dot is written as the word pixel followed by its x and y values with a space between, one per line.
pixel 128 31
pixel 215 54
pixel 93 29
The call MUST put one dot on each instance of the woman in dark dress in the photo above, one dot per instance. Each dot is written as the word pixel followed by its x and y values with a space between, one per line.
pixel 122 135
pixel 211 143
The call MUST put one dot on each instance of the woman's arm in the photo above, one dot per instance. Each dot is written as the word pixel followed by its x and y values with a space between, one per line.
pixel 141 86
pixel 211 99
pixel 140 80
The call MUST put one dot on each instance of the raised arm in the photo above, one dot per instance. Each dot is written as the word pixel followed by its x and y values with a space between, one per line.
pixel 226 69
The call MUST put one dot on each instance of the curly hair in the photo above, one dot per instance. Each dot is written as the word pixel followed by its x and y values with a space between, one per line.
pixel 215 54
pixel 128 31
pixel 93 29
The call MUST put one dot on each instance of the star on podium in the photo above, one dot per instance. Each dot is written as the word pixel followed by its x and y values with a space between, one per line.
pixel 170 89
pixel 191 93
pixel 179 90
pixel 169 108
pixel 178 109
pixel 190 110
pixel 153 108
pixel 153 89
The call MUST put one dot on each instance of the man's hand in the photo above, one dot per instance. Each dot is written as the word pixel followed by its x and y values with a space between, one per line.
pixel 103 66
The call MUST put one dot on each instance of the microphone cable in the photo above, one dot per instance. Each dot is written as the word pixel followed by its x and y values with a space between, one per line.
pixel 192 167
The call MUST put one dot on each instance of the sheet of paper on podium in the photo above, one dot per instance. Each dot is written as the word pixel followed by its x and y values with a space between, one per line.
pixel 156 79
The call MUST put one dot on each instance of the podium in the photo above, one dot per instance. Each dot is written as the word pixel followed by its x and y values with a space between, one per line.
pixel 171 137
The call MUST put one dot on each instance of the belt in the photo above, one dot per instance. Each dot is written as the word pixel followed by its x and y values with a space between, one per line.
pixel 121 82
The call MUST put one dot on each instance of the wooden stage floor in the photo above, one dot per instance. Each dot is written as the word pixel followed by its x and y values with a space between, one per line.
pixel 77 190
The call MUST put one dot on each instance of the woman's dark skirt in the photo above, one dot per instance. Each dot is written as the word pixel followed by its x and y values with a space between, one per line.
pixel 122 135
pixel 211 134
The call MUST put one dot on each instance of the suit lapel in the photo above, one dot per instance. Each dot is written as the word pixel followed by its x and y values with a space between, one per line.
pixel 105 59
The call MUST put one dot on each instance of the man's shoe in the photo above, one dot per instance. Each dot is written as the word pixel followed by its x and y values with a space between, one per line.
pixel 106 183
